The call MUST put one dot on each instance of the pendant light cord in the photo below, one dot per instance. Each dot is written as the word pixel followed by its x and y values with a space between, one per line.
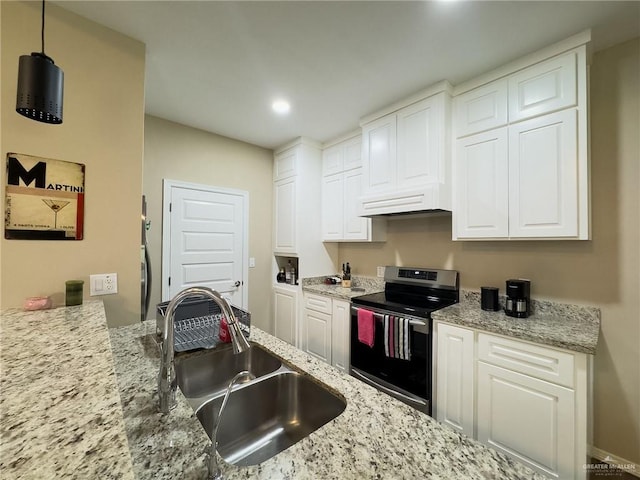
pixel 42 30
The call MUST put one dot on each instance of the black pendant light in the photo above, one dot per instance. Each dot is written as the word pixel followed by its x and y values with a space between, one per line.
pixel 40 86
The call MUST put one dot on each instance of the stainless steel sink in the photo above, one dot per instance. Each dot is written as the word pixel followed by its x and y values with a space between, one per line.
pixel 208 373
pixel 266 416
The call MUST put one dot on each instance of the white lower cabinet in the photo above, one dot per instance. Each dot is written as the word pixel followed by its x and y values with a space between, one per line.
pixel 285 308
pixel 325 328
pixel 528 419
pixel 340 334
pixel 525 400
pixel 454 373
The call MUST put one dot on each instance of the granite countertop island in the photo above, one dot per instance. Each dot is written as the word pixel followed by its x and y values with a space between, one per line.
pixel 62 416
pixel 375 437
pixel 59 403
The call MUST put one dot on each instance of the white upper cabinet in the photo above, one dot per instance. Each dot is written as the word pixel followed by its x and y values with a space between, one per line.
pixel 405 156
pixel 543 177
pixel 482 185
pixel 379 150
pixel 285 238
pixel 341 189
pixel 543 88
pixel 285 164
pixel 483 108
pixel 526 175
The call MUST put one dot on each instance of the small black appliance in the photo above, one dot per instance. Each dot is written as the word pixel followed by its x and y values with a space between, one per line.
pixel 518 302
pixel 489 300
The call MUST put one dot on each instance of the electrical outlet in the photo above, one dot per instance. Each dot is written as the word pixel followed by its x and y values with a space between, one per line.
pixel 381 272
pixel 103 284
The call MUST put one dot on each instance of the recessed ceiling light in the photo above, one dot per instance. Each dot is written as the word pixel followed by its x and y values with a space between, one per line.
pixel 281 107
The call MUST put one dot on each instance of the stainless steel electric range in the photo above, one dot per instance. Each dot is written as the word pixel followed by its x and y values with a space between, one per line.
pixel 391 338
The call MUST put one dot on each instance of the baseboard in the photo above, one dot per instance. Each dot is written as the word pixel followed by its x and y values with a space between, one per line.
pixel 619 463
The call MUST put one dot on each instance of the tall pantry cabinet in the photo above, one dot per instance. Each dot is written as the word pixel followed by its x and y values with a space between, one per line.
pixel 297 173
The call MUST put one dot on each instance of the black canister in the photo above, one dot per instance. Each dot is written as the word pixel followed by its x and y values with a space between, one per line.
pixel 489 299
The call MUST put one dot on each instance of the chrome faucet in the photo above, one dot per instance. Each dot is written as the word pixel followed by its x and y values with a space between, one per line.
pixel 167 377
pixel 214 468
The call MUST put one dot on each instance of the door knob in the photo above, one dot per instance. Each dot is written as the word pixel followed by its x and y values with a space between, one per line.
pixel 238 283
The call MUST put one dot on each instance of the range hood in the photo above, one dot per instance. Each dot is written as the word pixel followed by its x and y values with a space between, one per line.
pixel 434 198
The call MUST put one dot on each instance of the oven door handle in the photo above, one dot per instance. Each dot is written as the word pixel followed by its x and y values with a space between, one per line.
pixel 412 321
pixel 391 392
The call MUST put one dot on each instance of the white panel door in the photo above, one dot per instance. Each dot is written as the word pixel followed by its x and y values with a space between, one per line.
pixel 543 176
pixel 482 186
pixel 340 335
pixel 543 88
pixel 355 227
pixel 455 378
pixel 333 207
pixel 207 235
pixel 379 154
pixel 528 419
pixel 419 144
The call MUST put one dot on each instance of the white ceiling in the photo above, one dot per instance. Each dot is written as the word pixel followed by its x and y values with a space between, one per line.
pixel 218 66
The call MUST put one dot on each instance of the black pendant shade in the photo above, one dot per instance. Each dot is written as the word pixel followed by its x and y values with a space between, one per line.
pixel 40 88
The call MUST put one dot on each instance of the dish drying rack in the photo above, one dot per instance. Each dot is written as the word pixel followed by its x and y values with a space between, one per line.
pixel 197 323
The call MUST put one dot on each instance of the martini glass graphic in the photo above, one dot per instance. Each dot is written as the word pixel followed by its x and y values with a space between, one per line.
pixel 56 206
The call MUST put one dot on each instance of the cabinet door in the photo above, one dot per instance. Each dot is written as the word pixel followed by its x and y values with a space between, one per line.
pixel 527 419
pixel 543 88
pixel 317 334
pixel 379 154
pixel 285 164
pixel 285 216
pixel 333 207
pixel 543 176
pixel 355 227
pixel 332 160
pixel 419 143
pixel 483 108
pixel 352 153
pixel 285 308
pixel 481 188
pixel 340 335
pixel 455 378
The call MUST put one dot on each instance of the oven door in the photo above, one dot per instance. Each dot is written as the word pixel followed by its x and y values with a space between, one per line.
pixel 406 380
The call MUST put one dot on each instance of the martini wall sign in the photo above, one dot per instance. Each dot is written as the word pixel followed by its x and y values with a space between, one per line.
pixel 44 199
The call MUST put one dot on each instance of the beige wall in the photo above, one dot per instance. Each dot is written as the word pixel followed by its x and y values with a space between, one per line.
pixel 176 152
pixel 103 128
pixel 602 272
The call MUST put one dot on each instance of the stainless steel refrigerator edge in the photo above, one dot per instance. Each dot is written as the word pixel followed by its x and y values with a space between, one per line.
pixel 145 265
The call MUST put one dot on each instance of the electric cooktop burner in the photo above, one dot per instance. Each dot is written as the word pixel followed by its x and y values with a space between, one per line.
pixel 414 291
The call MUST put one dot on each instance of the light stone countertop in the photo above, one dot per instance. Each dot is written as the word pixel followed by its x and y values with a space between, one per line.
pixel 571 327
pixel 362 285
pixel 60 410
pixel 375 437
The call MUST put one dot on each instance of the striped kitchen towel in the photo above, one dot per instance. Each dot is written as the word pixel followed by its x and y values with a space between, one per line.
pixel 396 337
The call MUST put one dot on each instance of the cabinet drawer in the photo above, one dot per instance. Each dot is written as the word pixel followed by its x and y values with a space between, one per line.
pixel 533 360
pixel 318 303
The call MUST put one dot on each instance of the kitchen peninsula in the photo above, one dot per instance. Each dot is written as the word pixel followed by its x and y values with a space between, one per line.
pixel 375 437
